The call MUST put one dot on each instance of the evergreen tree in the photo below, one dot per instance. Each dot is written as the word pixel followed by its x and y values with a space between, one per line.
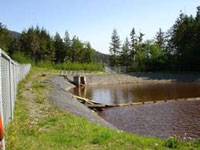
pixel 160 38
pixel 133 38
pixel 77 50
pixel 47 51
pixel 132 44
pixel 125 59
pixel 60 53
pixel 88 53
pixel 4 38
pixel 36 43
pixel 14 46
pixel 140 38
pixel 114 48
pixel 50 50
pixel 68 43
pixel 30 44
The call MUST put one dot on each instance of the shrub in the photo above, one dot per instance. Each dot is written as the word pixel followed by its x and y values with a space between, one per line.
pixel 79 66
pixel 21 58
pixel 70 66
pixel 197 142
pixel 45 64
pixel 172 142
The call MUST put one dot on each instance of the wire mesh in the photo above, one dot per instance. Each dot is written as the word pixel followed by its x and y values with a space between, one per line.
pixel 11 73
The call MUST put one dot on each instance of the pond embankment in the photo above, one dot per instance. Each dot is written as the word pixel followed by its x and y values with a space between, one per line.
pixel 66 101
pixel 160 120
pixel 141 78
pixel 138 78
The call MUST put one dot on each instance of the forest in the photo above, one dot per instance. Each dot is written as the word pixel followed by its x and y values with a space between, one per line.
pixel 178 49
pixel 38 47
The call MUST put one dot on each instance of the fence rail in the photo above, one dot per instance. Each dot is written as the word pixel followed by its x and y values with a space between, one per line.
pixel 11 73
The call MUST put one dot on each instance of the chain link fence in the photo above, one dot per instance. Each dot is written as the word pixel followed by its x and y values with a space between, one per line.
pixel 11 74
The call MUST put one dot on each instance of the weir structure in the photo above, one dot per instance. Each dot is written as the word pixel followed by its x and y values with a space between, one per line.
pixel 80 80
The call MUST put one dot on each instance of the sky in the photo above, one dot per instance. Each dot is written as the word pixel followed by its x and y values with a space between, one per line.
pixel 94 20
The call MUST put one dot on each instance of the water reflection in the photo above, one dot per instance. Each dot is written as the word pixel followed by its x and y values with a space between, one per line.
pixel 125 93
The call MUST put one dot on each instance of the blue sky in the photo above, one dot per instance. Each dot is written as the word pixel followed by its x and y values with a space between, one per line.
pixel 94 20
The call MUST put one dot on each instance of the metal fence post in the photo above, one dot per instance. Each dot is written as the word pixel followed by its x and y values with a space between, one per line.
pixel 1 101
pixel 11 96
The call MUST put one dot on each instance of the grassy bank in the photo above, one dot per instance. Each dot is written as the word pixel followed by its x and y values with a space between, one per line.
pixel 71 66
pixel 21 58
pixel 40 125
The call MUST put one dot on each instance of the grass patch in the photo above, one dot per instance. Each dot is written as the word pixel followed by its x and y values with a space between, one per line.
pixel 39 100
pixel 40 125
pixel 71 66
pixel 21 58
pixel 101 137
pixel 172 142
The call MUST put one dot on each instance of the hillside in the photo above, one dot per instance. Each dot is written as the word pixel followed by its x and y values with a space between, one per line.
pixel 100 57
pixel 14 34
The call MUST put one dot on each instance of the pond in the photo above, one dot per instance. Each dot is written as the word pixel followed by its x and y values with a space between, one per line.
pixel 139 92
pixel 180 118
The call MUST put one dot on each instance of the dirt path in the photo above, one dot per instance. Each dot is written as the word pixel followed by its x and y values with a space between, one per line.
pixel 35 97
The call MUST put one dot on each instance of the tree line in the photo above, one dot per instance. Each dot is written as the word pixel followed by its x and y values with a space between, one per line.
pixel 37 45
pixel 176 49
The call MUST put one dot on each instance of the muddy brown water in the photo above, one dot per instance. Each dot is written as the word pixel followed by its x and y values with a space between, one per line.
pixel 180 118
pixel 138 92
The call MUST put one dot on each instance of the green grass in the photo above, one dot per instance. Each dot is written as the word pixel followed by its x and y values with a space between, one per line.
pixel 71 66
pixel 40 125
pixel 21 58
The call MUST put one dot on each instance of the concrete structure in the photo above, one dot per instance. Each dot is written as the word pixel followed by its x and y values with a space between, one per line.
pixel 198 12
pixel 80 80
